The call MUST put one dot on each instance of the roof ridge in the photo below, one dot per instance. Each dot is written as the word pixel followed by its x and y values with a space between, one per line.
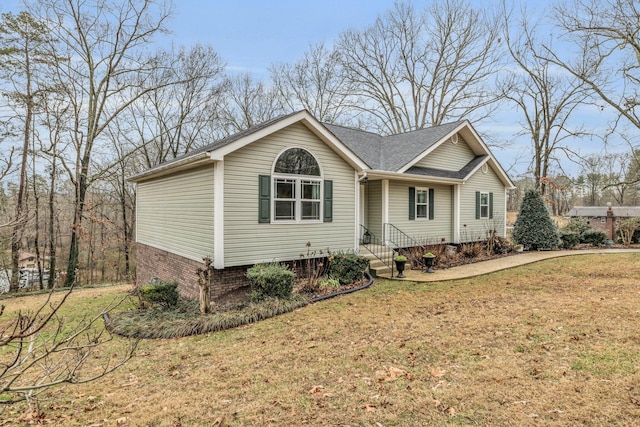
pixel 426 128
pixel 352 128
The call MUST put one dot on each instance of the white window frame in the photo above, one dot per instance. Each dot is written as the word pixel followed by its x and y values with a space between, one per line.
pixel 425 204
pixel 297 199
pixel 487 205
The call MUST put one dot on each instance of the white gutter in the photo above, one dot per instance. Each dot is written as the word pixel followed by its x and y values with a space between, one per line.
pixel 164 169
pixel 413 178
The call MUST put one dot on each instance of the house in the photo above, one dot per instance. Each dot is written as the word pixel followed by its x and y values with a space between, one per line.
pixel 28 261
pixel 604 218
pixel 262 194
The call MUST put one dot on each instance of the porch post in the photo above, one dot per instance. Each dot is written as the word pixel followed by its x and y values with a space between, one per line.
pixel 385 207
pixel 456 213
pixel 358 212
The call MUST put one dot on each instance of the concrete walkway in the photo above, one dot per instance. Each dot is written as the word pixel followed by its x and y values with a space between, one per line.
pixel 485 267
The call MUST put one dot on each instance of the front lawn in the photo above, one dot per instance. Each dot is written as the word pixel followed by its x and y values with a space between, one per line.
pixel 556 342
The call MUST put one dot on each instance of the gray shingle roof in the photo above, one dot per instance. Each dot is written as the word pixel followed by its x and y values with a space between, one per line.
pixel 220 143
pixel 599 211
pixel 383 153
pixel 390 153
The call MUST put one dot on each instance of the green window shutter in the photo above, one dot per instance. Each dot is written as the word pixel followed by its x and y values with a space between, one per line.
pixel 477 205
pixel 431 207
pixel 491 205
pixel 264 198
pixel 412 203
pixel 328 200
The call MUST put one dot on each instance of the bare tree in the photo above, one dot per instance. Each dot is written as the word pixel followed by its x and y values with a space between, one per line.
pixel 606 36
pixel 621 175
pixel 104 74
pixel 545 96
pixel 54 122
pixel 174 119
pixel 39 350
pixel 415 69
pixel 248 103
pixel 25 41
pixel 594 177
pixel 315 83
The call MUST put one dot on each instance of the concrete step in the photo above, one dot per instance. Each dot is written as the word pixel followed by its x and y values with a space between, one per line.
pixel 378 271
pixel 377 267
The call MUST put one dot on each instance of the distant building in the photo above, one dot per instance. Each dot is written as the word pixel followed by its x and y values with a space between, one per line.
pixel 28 260
pixel 604 218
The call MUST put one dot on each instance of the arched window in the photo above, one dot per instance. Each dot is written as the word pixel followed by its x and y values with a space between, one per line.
pixel 297 161
pixel 297 187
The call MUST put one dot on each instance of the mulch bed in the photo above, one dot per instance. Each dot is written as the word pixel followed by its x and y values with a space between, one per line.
pixel 240 296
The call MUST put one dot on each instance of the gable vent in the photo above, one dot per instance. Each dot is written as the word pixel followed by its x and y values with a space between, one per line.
pixel 454 138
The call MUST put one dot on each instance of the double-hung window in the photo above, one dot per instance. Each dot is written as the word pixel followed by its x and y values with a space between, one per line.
pixel 284 199
pixel 422 203
pixel 484 205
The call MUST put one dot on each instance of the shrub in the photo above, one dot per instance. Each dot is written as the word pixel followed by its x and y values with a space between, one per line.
pixel 270 280
pixel 593 237
pixel 577 226
pixel 348 267
pixel 160 294
pixel 534 228
pixel 314 265
pixel 471 249
pixel 499 245
pixel 569 239
pixel 628 230
pixel 330 283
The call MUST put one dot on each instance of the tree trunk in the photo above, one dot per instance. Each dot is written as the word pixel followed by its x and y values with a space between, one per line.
pixel 18 228
pixel 74 249
pixel 52 233
pixel 204 282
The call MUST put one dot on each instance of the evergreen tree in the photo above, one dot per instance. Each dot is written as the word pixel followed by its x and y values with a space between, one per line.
pixel 534 228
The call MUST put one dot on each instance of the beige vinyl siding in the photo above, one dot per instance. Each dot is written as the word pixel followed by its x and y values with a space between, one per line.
pixel 175 213
pixel 448 156
pixel 429 231
pixel 249 242
pixel 374 208
pixel 476 229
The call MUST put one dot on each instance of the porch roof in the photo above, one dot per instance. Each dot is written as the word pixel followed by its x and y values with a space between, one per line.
pixel 462 174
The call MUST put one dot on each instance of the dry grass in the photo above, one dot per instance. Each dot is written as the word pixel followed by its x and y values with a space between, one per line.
pixel 552 343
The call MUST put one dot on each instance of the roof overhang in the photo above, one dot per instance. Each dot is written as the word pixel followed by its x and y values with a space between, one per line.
pixel 218 154
pixel 183 164
pixel 305 118
pixel 477 145
pixel 377 174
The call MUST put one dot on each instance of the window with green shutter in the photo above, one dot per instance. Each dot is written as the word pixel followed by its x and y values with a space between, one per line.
pixel 298 192
pixel 421 203
pixel 484 205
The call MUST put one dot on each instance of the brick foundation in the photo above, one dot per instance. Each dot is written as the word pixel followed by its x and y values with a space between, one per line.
pixel 166 266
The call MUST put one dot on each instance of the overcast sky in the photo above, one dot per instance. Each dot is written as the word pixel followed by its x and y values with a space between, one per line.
pixel 251 35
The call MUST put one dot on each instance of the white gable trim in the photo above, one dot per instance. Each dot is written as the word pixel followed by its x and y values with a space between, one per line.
pixel 306 119
pixel 476 144
pixel 429 150
pixel 476 169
